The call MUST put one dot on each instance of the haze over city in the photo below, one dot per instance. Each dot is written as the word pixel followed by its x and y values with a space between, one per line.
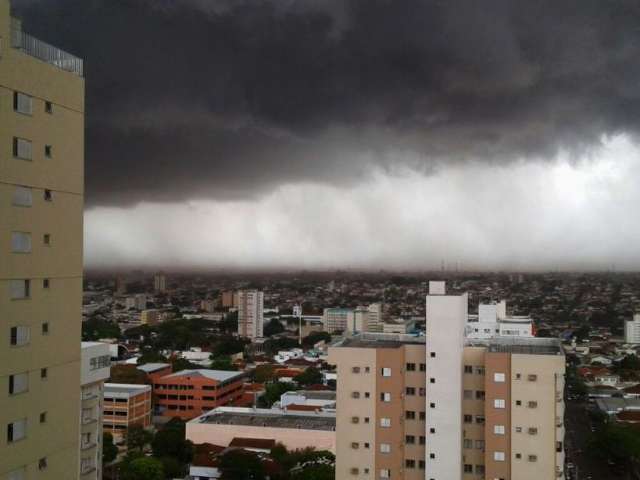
pixel 356 134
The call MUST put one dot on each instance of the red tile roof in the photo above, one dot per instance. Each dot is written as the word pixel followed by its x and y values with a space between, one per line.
pixel 261 443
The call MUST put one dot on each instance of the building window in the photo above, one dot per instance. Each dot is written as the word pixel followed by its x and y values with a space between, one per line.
pixel 45 283
pixel 410 391
pixel 498 377
pixel 367 394
pixel 22 197
pixel 19 336
pixel 45 328
pixel 46 239
pixel 421 464
pixel 355 394
pixel 468 369
pixel 498 456
pixel 20 242
pixel 410 439
pixel 366 419
pixel 385 397
pixel 479 469
pixel 385 473
pixel 18 474
pixel 367 369
pixel 422 391
pixel 410 415
pixel 468 468
pixel 355 471
pixel 532 431
pixel 18 383
pixel 480 419
pixel 518 376
pixel 432 354
pixel 48 151
pixel 423 367
pixel 42 463
pixel 480 370
pixel 422 439
pixel 498 429
pixel 411 367
pixel 467 443
pixel 355 419
pixel 498 403
pixel 366 444
pixel 355 369
pixel 17 430
pixel 432 455
pixel 22 103
pixel 468 418
pixel 48 107
pixel 408 463
pixel 44 373
pixel 467 394
pixel 479 444
pixel 533 458
pixel 479 394
pixel 518 456
pixel 532 404
pixel 355 445
pixel 518 429
pixel 385 448
pixel 19 289
pixel 43 417
pixel 432 405
pixel 518 403
pixel 422 415
pixel 432 380
pixel 22 148
pixel 385 371
pixel 385 422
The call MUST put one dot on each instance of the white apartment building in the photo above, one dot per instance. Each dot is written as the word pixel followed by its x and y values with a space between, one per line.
pixel 250 313
pixel 95 370
pixel 492 321
pixel 160 282
pixel 339 320
pixel 632 330
pixel 138 301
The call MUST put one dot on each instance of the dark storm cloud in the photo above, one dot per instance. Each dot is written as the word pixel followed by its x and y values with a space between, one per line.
pixel 226 99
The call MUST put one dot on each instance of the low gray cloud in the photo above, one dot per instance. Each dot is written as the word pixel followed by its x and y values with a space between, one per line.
pixel 229 100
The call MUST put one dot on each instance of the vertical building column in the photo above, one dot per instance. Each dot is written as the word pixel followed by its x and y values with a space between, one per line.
pixel 446 318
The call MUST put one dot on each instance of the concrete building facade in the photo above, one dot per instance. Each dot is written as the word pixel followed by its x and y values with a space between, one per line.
pixel 95 370
pixel 250 313
pixel 447 407
pixel 125 405
pixel 41 203
pixel 188 393
pixel 632 330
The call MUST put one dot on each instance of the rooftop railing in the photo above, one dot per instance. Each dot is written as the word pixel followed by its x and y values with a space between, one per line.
pixel 43 51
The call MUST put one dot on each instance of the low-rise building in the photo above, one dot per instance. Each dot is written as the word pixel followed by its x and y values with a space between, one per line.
pixel 295 430
pixel 150 316
pixel 126 405
pixel 188 393
pixel 632 330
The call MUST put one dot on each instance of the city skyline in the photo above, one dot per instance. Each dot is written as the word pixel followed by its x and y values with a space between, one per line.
pixel 327 134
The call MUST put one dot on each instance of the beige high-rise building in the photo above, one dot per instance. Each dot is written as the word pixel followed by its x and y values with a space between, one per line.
pixel 447 407
pixel 41 201
pixel 160 282
pixel 250 313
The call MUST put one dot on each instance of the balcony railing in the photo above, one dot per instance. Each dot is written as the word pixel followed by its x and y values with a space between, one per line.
pixel 43 51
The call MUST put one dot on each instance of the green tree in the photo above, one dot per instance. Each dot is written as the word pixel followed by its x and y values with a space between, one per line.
pixel 170 442
pixel 137 437
pixel 229 346
pixel 315 337
pixel 230 323
pixel 143 468
pixel 222 363
pixel 264 373
pixel 241 465
pixel 173 468
pixel 315 472
pixel 96 328
pixel 151 356
pixel 310 376
pixel 617 443
pixel 127 374
pixel 109 449
pixel 273 327
pixel 273 391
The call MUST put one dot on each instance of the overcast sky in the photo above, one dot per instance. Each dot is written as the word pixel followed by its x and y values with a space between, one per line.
pixel 357 133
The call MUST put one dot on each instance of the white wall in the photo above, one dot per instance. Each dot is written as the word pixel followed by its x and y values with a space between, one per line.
pixel 446 319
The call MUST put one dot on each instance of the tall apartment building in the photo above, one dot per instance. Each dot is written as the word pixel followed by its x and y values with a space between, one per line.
pixel 448 407
pixel 339 320
pixel 41 201
pixel 95 370
pixel 250 313
pixel 160 282
pixel 632 330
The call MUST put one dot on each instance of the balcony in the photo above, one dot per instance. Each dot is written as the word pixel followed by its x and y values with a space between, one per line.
pixel 88 446
pixel 43 51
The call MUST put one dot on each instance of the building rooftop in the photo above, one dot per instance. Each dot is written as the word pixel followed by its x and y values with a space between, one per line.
pixel 268 418
pixel 111 389
pixel 314 394
pixel 379 340
pixel 522 345
pixel 218 375
pixel 153 367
